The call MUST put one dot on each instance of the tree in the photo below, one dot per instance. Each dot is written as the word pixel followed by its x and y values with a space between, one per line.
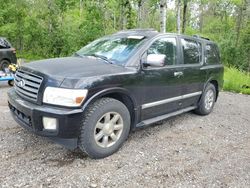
pixel 178 24
pixel 163 15
pixel 240 16
pixel 139 13
pixel 54 28
pixel 184 19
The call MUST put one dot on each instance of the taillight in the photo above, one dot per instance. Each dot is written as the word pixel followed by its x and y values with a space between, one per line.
pixel 13 50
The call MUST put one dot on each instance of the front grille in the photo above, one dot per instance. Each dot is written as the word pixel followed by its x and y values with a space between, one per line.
pixel 27 85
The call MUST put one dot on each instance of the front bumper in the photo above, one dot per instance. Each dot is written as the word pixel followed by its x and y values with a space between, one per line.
pixel 29 116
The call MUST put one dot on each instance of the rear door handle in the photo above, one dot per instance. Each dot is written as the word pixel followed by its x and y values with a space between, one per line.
pixel 178 74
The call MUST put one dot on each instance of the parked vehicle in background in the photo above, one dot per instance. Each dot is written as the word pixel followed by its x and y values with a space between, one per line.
pixel 7 54
pixel 116 84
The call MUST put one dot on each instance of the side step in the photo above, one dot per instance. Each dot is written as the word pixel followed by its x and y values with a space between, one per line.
pixel 162 117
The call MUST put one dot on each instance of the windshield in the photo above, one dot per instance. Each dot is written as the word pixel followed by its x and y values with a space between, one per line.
pixel 113 50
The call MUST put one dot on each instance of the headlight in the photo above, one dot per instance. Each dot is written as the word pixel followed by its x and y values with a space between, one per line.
pixel 64 97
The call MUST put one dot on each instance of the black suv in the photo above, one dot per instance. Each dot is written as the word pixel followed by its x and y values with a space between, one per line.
pixel 7 54
pixel 115 84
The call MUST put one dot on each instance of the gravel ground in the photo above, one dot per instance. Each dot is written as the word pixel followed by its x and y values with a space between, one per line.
pixel 185 151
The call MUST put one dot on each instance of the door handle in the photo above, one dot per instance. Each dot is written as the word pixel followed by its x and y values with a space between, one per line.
pixel 178 74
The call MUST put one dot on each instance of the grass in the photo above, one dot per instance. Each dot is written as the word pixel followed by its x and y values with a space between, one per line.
pixel 236 81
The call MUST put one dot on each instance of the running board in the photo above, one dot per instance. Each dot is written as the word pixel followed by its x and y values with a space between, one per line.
pixel 162 117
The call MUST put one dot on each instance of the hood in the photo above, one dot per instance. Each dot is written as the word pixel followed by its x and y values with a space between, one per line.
pixel 74 67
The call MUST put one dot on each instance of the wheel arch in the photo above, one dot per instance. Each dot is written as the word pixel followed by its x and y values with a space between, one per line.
pixel 121 95
pixel 5 58
pixel 216 85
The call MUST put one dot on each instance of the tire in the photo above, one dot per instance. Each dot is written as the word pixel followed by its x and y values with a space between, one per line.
pixel 105 127
pixel 4 64
pixel 11 82
pixel 207 101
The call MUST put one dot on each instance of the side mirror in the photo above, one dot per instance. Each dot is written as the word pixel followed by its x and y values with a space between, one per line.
pixel 155 60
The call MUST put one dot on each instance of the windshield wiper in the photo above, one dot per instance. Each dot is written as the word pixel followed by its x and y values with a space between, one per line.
pixel 101 57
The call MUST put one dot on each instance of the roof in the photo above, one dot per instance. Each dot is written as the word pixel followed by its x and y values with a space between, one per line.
pixel 152 32
pixel 143 32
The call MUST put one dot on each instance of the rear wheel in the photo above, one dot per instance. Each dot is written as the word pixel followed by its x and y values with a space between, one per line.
pixel 4 64
pixel 105 127
pixel 207 100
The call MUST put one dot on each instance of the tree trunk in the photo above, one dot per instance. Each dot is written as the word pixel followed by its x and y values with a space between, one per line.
pixel 163 14
pixel 184 20
pixel 122 15
pixel 178 23
pixel 139 14
pixel 239 21
pixel 81 7
pixel 50 19
pixel 129 17
pixel 201 17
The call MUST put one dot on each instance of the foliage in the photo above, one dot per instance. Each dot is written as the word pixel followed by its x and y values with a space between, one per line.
pixel 54 28
pixel 236 80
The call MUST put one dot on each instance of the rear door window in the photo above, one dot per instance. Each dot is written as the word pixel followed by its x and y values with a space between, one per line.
pixel 212 54
pixel 191 51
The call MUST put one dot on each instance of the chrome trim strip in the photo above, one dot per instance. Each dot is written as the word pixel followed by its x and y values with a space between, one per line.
pixel 149 105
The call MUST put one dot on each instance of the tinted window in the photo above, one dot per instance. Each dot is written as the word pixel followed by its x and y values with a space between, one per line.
pixel 165 46
pixel 212 54
pixel 4 43
pixel 191 51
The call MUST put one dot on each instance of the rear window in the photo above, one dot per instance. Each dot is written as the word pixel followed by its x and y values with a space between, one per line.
pixel 191 51
pixel 4 43
pixel 212 54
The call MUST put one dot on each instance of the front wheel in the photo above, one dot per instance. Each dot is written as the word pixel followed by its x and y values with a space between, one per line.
pixel 105 127
pixel 207 100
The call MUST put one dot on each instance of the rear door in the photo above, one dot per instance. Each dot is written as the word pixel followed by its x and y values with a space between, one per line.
pixel 193 77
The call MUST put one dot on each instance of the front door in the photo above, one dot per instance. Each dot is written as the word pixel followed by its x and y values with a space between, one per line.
pixel 162 85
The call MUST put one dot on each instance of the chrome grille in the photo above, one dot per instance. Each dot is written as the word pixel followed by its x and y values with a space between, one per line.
pixel 27 84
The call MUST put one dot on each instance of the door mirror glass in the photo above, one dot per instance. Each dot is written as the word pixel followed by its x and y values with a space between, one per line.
pixel 155 60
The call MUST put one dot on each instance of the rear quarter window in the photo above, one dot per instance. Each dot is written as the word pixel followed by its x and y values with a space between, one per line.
pixel 212 55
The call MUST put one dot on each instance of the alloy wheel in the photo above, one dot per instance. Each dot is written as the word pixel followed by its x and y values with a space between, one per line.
pixel 209 99
pixel 108 129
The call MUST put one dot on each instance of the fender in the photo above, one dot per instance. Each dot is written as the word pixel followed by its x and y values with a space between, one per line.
pixel 207 82
pixel 211 76
pixel 137 111
pixel 109 91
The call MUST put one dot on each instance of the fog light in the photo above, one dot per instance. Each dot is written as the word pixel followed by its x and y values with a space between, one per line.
pixel 49 123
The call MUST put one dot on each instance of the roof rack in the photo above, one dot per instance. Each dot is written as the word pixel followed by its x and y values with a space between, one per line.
pixel 198 36
pixel 138 30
